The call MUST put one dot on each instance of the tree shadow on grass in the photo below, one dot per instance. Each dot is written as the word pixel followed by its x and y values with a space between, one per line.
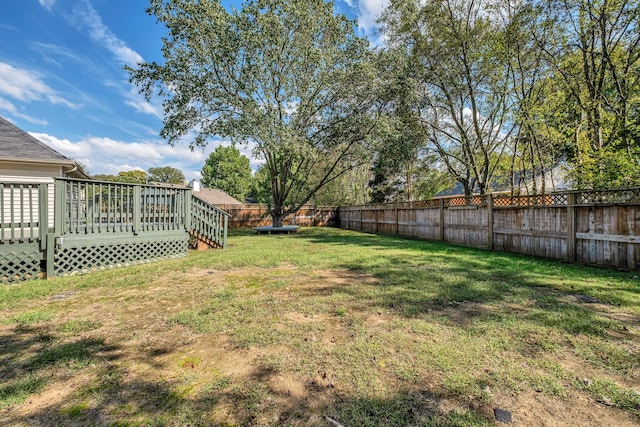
pixel 420 277
pixel 31 357
pixel 116 399
pixel 103 391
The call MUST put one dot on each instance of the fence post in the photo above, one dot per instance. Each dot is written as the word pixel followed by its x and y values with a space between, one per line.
pixel 397 221
pixel 376 223
pixel 489 221
pixel 43 215
pixel 571 227
pixel 441 230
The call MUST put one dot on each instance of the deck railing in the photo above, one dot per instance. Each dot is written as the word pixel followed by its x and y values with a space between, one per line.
pixel 76 226
pixel 209 223
pixel 23 230
pixel 91 207
pixel 23 208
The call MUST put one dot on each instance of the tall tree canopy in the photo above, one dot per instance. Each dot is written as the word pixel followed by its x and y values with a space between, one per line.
pixel 595 58
pixel 506 89
pixel 290 77
pixel 229 170
pixel 462 82
pixel 166 174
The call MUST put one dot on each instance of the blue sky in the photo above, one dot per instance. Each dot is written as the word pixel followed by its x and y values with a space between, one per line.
pixel 61 80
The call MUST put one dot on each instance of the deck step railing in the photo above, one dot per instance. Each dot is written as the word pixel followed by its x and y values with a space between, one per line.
pixel 208 223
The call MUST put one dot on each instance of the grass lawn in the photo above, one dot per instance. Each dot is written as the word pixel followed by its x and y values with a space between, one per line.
pixel 325 327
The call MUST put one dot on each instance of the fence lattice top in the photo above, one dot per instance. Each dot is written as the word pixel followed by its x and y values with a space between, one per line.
pixel 626 195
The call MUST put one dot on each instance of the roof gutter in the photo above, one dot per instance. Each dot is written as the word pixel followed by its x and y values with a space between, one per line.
pixel 69 163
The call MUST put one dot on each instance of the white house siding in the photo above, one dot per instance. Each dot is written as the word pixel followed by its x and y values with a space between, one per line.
pixel 32 174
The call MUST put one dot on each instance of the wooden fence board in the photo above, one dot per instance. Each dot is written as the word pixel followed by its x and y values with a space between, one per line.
pixel 589 228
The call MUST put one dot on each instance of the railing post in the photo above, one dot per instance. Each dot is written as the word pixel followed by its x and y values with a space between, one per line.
pixel 571 227
pixel 376 223
pixel 187 209
pixel 137 209
pixel 224 239
pixel 315 211
pixel 50 241
pixel 43 215
pixel 60 205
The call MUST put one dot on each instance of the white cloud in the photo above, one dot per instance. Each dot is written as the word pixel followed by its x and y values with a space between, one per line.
pixel 140 104
pixel 368 11
pixel 85 17
pixel 47 4
pixel 108 156
pixel 27 86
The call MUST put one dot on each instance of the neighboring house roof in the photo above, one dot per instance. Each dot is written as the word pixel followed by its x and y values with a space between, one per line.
pixel 167 184
pixel 213 196
pixel 18 146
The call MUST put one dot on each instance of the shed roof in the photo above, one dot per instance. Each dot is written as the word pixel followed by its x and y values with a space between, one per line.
pixel 213 196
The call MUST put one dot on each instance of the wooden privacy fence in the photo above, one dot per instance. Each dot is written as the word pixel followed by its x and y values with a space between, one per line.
pixel 257 215
pixel 591 227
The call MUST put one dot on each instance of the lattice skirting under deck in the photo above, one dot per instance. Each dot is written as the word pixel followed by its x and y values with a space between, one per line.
pixel 86 259
pixel 21 261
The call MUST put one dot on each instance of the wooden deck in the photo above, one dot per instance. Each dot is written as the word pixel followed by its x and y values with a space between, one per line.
pixel 98 225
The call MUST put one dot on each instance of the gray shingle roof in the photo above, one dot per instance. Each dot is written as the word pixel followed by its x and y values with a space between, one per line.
pixel 17 144
pixel 216 197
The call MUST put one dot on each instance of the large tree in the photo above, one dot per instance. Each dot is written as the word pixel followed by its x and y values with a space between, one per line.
pixel 595 57
pixel 290 77
pixel 462 79
pixel 165 174
pixel 229 170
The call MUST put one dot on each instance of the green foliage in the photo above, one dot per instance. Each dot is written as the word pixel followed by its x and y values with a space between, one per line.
pixel 228 170
pixel 401 170
pixel 351 188
pixel 132 177
pixel 105 177
pixel 291 77
pixel 457 79
pixel 261 186
pixel 30 317
pixel 503 93
pixel 608 168
pixel 165 174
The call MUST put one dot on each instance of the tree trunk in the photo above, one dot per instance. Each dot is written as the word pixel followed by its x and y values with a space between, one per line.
pixel 277 216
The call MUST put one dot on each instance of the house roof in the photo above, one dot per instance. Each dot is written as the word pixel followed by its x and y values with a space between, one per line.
pixel 17 145
pixel 213 196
